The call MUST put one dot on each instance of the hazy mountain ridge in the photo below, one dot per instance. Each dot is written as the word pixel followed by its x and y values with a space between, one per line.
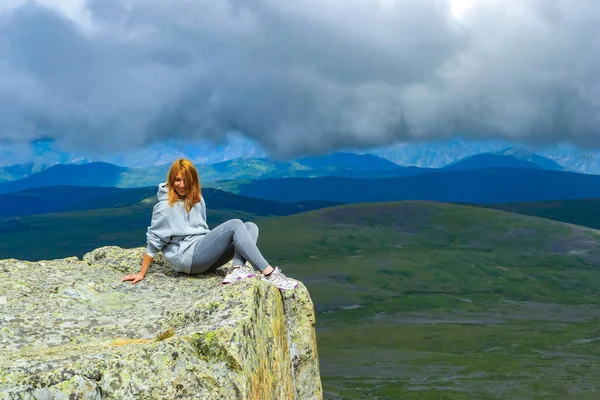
pixel 60 199
pixel 427 155
pixel 489 160
pixel 440 153
pixel 46 154
pixel 436 154
pixel 493 185
pixel 524 155
pixel 103 174
pixel 19 171
pixel 367 166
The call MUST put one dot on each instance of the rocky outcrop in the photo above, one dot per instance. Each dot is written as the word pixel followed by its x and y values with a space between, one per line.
pixel 69 329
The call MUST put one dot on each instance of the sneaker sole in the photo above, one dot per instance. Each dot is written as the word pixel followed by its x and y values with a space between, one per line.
pixel 292 288
pixel 280 287
pixel 228 281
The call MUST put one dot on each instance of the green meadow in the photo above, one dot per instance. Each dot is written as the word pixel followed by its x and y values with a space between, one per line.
pixel 414 300
pixel 422 300
pixel 584 212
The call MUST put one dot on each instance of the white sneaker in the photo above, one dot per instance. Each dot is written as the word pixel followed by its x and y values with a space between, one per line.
pixel 237 273
pixel 278 279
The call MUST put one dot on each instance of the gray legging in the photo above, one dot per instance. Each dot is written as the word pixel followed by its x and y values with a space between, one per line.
pixel 231 240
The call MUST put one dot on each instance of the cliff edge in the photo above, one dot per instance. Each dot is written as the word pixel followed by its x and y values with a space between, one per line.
pixel 69 329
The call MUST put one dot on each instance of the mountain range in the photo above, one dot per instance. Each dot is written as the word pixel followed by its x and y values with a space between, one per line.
pixel 509 176
pixel 44 154
pixel 489 160
pixel 337 164
pixel 493 185
pixel 435 154
pixel 440 153
pixel 104 174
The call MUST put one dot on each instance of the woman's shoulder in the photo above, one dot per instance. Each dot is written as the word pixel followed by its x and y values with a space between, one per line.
pixel 199 204
pixel 161 206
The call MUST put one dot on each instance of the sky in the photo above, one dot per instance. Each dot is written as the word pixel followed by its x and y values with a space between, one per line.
pixel 298 77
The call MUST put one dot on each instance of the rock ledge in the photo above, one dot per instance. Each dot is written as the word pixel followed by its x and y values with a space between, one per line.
pixel 70 329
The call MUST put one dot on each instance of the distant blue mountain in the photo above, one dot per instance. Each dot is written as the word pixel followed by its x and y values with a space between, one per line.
pixel 489 160
pixel 494 185
pixel 347 165
pixel 19 171
pixel 337 164
pixel 105 175
pixel 574 159
pixel 92 174
pixel 435 154
pixel 352 161
pixel 54 199
pixel 438 153
pixel 525 155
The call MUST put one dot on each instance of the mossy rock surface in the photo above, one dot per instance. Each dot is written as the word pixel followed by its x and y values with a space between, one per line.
pixel 71 329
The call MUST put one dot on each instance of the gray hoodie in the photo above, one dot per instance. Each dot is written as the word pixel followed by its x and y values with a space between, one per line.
pixel 174 231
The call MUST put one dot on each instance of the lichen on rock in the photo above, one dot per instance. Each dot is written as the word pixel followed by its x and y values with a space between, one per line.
pixel 71 329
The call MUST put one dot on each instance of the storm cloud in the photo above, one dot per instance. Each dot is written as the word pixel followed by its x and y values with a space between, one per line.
pixel 299 77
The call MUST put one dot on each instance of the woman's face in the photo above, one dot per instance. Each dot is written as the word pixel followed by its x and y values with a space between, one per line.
pixel 179 185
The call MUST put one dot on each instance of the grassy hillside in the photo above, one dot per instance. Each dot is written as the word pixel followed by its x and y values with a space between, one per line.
pixel 423 300
pixel 585 212
pixel 415 300
pixel 450 248
pixel 49 236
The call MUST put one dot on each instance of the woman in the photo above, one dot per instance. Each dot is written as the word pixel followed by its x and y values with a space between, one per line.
pixel 180 231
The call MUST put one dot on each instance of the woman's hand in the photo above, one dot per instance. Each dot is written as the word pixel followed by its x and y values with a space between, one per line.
pixel 135 278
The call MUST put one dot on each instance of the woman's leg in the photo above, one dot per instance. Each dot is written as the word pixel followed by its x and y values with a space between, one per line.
pixel 230 239
pixel 231 254
pixel 215 248
pixel 238 259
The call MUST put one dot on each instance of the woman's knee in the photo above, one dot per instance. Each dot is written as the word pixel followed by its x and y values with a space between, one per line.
pixel 252 228
pixel 234 224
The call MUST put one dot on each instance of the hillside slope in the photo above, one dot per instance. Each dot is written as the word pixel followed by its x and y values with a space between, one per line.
pixel 416 299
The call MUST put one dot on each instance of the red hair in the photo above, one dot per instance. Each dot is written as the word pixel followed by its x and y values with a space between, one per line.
pixel 192 183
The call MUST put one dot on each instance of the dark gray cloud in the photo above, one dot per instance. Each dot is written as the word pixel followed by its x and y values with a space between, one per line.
pixel 300 76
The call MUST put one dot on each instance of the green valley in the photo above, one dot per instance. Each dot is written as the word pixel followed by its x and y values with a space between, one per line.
pixel 423 300
pixel 415 300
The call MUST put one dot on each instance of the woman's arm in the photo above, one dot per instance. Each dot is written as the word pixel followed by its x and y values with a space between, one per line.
pixel 158 235
pixel 203 209
pixel 135 278
pixel 159 232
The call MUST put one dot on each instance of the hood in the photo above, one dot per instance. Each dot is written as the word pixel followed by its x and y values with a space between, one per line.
pixel 163 192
